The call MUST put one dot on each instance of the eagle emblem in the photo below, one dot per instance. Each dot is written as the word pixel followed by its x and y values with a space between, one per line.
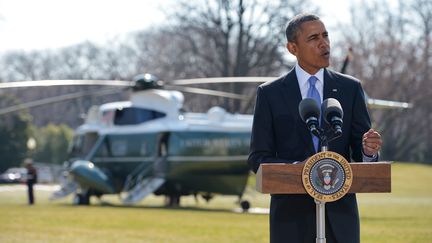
pixel 327 176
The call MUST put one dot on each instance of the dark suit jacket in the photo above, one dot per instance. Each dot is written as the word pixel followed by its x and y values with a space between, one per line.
pixel 279 135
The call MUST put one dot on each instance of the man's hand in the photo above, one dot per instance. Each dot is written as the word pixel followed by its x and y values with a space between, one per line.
pixel 371 142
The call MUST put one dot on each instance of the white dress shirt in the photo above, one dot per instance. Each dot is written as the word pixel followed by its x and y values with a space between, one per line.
pixel 303 76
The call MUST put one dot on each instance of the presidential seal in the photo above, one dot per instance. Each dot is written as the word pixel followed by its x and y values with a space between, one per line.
pixel 327 176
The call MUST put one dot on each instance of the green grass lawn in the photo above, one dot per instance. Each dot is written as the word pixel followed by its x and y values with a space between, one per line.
pixel 403 216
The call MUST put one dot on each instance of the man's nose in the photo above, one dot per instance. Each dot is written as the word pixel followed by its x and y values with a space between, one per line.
pixel 324 43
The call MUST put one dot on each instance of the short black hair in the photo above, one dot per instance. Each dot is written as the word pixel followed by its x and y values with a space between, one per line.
pixel 294 24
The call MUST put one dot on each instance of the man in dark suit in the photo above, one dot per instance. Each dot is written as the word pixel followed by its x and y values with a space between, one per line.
pixel 31 179
pixel 279 134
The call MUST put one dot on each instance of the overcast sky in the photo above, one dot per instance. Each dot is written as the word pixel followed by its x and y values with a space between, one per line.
pixel 40 24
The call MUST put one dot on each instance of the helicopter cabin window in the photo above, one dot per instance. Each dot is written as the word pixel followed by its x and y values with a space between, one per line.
pixel 107 117
pixel 135 115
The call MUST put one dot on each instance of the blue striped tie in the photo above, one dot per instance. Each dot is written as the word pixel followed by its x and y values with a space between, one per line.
pixel 314 94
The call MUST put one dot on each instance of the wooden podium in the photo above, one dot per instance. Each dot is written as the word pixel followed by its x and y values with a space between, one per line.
pixel 278 178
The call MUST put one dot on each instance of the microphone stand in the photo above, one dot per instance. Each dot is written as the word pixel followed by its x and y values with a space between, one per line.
pixel 324 138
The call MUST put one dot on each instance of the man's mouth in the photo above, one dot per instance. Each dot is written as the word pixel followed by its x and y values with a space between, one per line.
pixel 326 54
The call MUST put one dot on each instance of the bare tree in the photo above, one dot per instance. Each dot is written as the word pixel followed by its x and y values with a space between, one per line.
pixel 202 39
pixel 223 38
pixel 83 61
pixel 391 57
pixel 422 11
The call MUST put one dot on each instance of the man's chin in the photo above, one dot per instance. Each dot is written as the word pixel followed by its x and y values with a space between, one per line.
pixel 325 64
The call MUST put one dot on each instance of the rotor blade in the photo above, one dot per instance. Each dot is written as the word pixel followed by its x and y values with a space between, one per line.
pixel 55 99
pixel 387 104
pixel 39 83
pixel 222 80
pixel 209 92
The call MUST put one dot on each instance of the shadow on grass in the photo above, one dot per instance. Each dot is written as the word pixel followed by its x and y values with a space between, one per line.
pixel 146 207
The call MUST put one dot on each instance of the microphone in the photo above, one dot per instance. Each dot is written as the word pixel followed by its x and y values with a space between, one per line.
pixel 310 114
pixel 333 114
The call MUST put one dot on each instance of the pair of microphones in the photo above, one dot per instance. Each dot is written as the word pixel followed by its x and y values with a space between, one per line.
pixel 332 112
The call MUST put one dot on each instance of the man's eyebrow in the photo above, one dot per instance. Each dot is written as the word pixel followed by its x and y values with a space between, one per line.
pixel 312 36
pixel 316 35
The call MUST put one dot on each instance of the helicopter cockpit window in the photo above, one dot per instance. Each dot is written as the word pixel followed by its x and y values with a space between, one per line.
pixel 134 115
pixel 76 147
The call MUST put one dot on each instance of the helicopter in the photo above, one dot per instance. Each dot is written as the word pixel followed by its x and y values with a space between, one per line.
pixel 150 144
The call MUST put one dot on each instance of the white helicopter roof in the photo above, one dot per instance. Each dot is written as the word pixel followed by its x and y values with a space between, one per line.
pixel 166 101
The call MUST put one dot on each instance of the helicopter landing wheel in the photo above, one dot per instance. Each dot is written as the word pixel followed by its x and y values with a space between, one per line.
pixel 173 201
pixel 81 199
pixel 245 205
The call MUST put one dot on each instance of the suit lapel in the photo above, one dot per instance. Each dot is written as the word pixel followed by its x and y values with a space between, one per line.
pixel 292 96
pixel 332 89
pixel 292 90
pixel 331 86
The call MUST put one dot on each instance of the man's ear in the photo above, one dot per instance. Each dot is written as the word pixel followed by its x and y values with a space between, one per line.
pixel 292 48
